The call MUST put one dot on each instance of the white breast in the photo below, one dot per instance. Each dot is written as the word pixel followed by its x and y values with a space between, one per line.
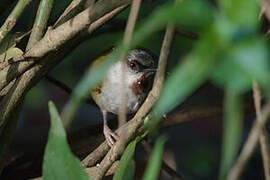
pixel 110 97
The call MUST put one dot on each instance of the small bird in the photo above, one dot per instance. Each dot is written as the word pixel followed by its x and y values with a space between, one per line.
pixel 140 68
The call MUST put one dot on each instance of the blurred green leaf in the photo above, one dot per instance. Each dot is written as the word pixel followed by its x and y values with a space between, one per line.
pixel 240 64
pixel 232 127
pixel 202 160
pixel 242 13
pixel 194 12
pixel 188 75
pixel 59 163
pixel 10 53
pixel 126 167
pixel 153 167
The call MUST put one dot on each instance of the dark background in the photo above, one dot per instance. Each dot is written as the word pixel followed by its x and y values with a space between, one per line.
pixel 193 148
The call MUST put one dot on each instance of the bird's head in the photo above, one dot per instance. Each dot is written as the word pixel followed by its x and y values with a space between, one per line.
pixel 141 66
pixel 141 61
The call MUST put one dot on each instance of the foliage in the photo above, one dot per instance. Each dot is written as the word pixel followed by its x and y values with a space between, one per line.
pixel 152 170
pixel 126 167
pixel 230 53
pixel 59 162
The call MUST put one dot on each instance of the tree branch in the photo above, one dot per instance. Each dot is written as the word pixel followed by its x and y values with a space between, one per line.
pixel 23 84
pixel 68 90
pixel 133 125
pixel 74 8
pixel 54 39
pixel 264 141
pixel 42 67
pixel 132 18
pixel 265 8
pixel 83 141
pixel 249 145
pixel 40 24
pixel 12 18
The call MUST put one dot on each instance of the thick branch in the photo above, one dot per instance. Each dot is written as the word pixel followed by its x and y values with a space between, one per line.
pixel 32 76
pixel 54 39
pixel 46 64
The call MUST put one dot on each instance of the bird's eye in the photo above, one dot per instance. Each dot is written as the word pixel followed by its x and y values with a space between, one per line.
pixel 132 65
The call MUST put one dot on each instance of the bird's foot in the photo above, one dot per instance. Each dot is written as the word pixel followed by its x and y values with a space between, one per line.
pixel 110 136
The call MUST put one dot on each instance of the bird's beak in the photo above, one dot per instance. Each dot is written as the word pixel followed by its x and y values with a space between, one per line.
pixel 149 71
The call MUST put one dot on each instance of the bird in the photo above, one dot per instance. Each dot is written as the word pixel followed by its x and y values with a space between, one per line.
pixel 141 65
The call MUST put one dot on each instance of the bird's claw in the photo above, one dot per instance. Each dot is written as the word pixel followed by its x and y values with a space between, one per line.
pixel 110 136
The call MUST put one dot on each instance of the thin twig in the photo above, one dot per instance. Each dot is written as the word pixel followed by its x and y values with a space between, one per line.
pixel 110 172
pixel 250 144
pixel 185 115
pixel 73 8
pixel 105 165
pixel 135 6
pixel 265 8
pixel 118 25
pixel 40 24
pixel 67 89
pixel 133 125
pixel 188 34
pixel 12 18
pixel 59 84
pixel 263 137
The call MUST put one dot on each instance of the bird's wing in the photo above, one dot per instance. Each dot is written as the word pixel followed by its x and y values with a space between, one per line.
pixel 97 89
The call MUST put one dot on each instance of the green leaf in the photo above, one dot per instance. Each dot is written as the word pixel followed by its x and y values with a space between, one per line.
pixel 153 167
pixel 245 61
pixel 59 163
pixel 126 167
pixel 242 13
pixel 10 53
pixel 187 76
pixel 233 125
pixel 196 12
